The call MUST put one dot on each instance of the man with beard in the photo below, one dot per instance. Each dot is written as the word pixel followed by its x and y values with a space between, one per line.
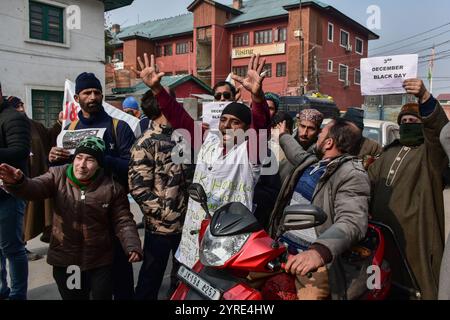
pixel 407 187
pixel 227 167
pixel 119 139
pixel 333 179
pixel 309 123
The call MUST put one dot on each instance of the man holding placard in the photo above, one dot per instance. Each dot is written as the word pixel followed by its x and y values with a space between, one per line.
pixel 407 189
pixel 227 170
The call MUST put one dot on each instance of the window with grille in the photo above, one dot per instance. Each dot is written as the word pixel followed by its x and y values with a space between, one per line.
pixel 281 35
pixel 359 46
pixel 119 56
pixel 241 40
pixel 343 72
pixel 268 68
pixel 357 76
pixel 46 22
pixel 330 32
pixel 159 52
pixel 264 36
pixel 281 69
pixel 168 50
pixel 46 106
pixel 330 65
pixel 345 38
pixel 240 71
pixel 182 48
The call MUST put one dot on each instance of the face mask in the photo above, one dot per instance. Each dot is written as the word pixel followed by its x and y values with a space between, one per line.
pixel 411 134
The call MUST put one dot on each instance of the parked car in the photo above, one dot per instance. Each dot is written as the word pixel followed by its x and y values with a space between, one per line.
pixel 384 132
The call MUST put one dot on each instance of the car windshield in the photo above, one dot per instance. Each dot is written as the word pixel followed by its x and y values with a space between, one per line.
pixel 373 133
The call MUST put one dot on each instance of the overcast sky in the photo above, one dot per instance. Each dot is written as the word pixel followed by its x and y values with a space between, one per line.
pixel 400 19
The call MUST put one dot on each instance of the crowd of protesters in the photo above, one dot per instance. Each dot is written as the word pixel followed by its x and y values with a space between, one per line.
pixel 81 197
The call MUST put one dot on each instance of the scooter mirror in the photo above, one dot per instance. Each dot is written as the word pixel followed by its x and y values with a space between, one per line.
pixel 197 193
pixel 299 217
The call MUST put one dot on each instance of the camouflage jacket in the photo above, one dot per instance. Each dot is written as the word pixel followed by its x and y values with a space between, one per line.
pixel 158 185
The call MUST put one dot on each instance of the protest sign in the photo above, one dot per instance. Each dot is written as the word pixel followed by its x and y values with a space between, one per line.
pixel 212 112
pixel 385 75
pixel 70 139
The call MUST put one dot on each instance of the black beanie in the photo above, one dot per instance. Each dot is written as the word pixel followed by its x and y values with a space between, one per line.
pixel 240 111
pixel 87 81
pixel 355 116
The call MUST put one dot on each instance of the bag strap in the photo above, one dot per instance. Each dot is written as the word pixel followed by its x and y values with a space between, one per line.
pixel 115 124
pixel 73 125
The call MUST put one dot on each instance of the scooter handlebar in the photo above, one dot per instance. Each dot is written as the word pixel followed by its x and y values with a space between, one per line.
pixel 289 256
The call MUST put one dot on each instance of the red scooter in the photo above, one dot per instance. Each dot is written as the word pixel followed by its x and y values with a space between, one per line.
pixel 234 245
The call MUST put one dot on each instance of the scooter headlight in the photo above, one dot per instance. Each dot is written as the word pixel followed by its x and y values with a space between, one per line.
pixel 216 251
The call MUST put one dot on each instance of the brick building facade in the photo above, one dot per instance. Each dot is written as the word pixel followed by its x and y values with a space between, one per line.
pixel 309 48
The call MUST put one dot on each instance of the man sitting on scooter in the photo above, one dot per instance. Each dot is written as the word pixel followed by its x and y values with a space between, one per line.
pixel 334 180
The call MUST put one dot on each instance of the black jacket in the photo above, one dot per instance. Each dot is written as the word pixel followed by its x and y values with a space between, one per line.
pixel 15 139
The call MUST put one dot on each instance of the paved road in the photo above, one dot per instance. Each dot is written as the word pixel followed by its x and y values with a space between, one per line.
pixel 41 285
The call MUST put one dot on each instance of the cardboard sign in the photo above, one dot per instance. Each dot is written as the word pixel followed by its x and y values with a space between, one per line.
pixel 385 75
pixel 212 112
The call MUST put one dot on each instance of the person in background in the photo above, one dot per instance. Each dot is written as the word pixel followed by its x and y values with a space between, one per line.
pixel 38 214
pixel 15 146
pixel 268 186
pixel 369 149
pixel 273 100
pixel 444 278
pixel 131 106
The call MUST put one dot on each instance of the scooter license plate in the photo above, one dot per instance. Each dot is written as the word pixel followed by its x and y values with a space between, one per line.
pixel 196 282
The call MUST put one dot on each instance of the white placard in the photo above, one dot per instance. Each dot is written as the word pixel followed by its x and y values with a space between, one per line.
pixel 212 112
pixel 385 75
pixel 70 139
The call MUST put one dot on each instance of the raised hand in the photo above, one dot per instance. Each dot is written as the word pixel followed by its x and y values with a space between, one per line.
pixel 9 174
pixel 417 88
pixel 253 81
pixel 280 129
pixel 149 73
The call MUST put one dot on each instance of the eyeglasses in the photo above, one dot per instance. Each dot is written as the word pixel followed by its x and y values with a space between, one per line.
pixel 226 95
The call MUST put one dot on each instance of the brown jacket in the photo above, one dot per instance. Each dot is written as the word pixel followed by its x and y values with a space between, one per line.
pixel 82 229
pixel 38 214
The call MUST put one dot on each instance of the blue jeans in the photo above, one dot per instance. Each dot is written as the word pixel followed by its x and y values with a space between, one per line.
pixel 12 249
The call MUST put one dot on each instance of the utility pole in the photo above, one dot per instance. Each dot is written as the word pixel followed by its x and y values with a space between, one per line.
pixel 302 53
pixel 316 74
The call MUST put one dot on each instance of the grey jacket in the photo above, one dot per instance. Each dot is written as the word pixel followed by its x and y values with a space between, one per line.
pixel 294 155
pixel 343 193
pixel 444 278
pixel 293 150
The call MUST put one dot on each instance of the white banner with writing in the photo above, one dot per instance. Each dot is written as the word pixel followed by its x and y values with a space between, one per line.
pixel 385 75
